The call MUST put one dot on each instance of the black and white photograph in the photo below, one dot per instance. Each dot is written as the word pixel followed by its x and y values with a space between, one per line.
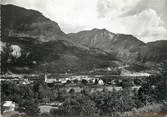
pixel 83 58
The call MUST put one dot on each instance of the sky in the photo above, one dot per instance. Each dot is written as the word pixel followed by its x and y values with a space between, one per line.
pixel 145 19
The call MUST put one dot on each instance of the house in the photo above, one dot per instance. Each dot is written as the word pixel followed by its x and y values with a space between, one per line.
pixel 100 82
pixel 48 106
pixel 56 104
pixel 109 69
pixel 8 106
pixel 49 80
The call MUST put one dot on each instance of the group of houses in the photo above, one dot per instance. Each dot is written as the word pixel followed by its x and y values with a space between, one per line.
pixel 97 80
pixel 49 78
pixel 65 79
pixel 73 79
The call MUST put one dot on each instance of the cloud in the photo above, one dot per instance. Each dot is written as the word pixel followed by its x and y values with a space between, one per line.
pixel 114 8
pixel 145 19
pixel 160 6
pixel 70 13
pixel 146 25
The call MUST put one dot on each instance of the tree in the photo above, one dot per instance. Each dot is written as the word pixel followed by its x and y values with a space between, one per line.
pixel 29 106
pixel 126 83
pixel 72 91
pixel 84 82
pixel 146 93
pixel 162 84
pixel 78 105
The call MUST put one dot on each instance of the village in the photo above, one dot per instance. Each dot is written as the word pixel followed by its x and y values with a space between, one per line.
pixel 74 82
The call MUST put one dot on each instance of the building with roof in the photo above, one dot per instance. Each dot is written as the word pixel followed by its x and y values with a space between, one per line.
pixel 8 106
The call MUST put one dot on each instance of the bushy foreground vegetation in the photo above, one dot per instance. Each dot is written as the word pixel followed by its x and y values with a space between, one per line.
pixel 85 103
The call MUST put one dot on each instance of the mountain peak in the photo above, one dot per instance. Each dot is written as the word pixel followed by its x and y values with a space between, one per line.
pixel 23 22
pixel 98 29
pixel 121 44
pixel 103 30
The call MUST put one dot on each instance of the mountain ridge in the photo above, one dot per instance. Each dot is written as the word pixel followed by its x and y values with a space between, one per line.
pixel 37 55
pixel 46 47
pixel 119 44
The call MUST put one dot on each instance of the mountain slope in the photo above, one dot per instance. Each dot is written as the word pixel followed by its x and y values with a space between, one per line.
pixel 34 43
pixel 123 46
pixel 52 56
pixel 22 22
pixel 155 51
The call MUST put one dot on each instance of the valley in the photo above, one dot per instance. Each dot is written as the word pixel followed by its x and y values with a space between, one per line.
pixel 46 72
